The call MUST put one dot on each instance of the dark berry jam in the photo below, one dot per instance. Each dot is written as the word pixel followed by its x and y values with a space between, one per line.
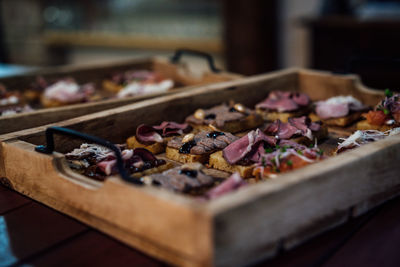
pixel 214 134
pixel 210 116
pixel 189 173
pixel 185 148
pixel 232 109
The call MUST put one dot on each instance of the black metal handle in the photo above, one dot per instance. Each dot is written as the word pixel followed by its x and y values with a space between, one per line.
pixel 49 148
pixel 178 54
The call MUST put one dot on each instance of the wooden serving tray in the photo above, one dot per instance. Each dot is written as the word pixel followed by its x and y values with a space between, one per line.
pixel 96 74
pixel 236 229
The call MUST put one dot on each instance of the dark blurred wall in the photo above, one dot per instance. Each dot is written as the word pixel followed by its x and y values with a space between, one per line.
pixel 251 36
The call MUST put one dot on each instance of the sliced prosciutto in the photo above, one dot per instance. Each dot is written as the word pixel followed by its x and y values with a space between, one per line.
pixel 295 126
pixel 338 106
pixel 151 134
pixel 284 101
pixel 248 146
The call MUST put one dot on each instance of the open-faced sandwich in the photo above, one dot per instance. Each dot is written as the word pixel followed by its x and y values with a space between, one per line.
pixel 98 162
pixel 287 156
pixel 362 137
pixel 154 138
pixel 385 116
pixel 241 155
pixel 198 147
pixel 283 105
pixel 137 82
pixel 65 92
pixel 12 103
pixel 300 130
pixel 187 178
pixel 338 111
pixel 231 118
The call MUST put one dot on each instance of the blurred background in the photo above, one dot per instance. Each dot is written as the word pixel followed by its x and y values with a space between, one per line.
pixel 246 37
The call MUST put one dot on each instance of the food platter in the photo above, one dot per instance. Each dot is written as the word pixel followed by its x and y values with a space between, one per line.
pixel 96 74
pixel 236 229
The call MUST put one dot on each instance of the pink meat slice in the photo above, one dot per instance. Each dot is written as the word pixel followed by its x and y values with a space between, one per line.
pixel 246 146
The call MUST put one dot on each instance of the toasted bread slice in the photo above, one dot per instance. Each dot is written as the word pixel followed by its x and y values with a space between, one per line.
pixel 155 148
pixel 111 86
pixel 250 122
pixel 217 161
pixel 341 122
pixel 173 154
pixel 282 116
pixel 365 125
pixel 158 169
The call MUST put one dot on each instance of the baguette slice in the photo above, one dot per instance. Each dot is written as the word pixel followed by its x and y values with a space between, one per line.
pixel 217 161
pixel 341 122
pixel 282 116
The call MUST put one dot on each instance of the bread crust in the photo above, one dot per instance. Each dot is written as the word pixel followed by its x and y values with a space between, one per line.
pixel 341 122
pixel 173 154
pixel 250 122
pixel 161 168
pixel 155 148
pixel 217 161
pixel 282 116
pixel 111 86
pixel 365 125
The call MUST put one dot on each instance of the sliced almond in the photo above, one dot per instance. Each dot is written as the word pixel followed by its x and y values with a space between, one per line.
pixel 147 180
pixel 187 138
pixel 239 107
pixel 212 127
pixel 199 114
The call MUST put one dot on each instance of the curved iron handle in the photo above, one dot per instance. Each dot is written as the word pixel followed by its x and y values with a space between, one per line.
pixel 178 54
pixel 49 148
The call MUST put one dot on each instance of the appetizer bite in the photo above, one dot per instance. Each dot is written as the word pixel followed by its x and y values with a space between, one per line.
pixel 137 82
pixel 98 162
pixel 12 103
pixel 231 118
pixel 154 138
pixel 241 155
pixel 385 116
pixel 197 147
pixel 280 105
pixel 362 137
pixel 338 111
pixel 188 178
pixel 66 92
pixel 300 130
pixel 287 156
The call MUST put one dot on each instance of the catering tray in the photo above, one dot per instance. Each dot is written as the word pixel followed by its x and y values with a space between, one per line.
pixel 238 228
pixel 170 69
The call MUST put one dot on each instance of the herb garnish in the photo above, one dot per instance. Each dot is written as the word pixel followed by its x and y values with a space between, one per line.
pixel 388 93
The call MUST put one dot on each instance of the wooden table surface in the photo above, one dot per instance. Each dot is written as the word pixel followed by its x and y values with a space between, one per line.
pixel 33 234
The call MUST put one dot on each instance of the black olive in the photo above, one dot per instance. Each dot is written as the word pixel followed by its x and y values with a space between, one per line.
pixel 147 165
pixel 210 116
pixel 156 183
pixel 214 134
pixel 189 173
pixel 185 148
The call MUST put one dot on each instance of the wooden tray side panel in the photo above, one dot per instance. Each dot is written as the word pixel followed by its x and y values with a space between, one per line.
pixel 300 199
pixel 320 86
pixel 160 223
